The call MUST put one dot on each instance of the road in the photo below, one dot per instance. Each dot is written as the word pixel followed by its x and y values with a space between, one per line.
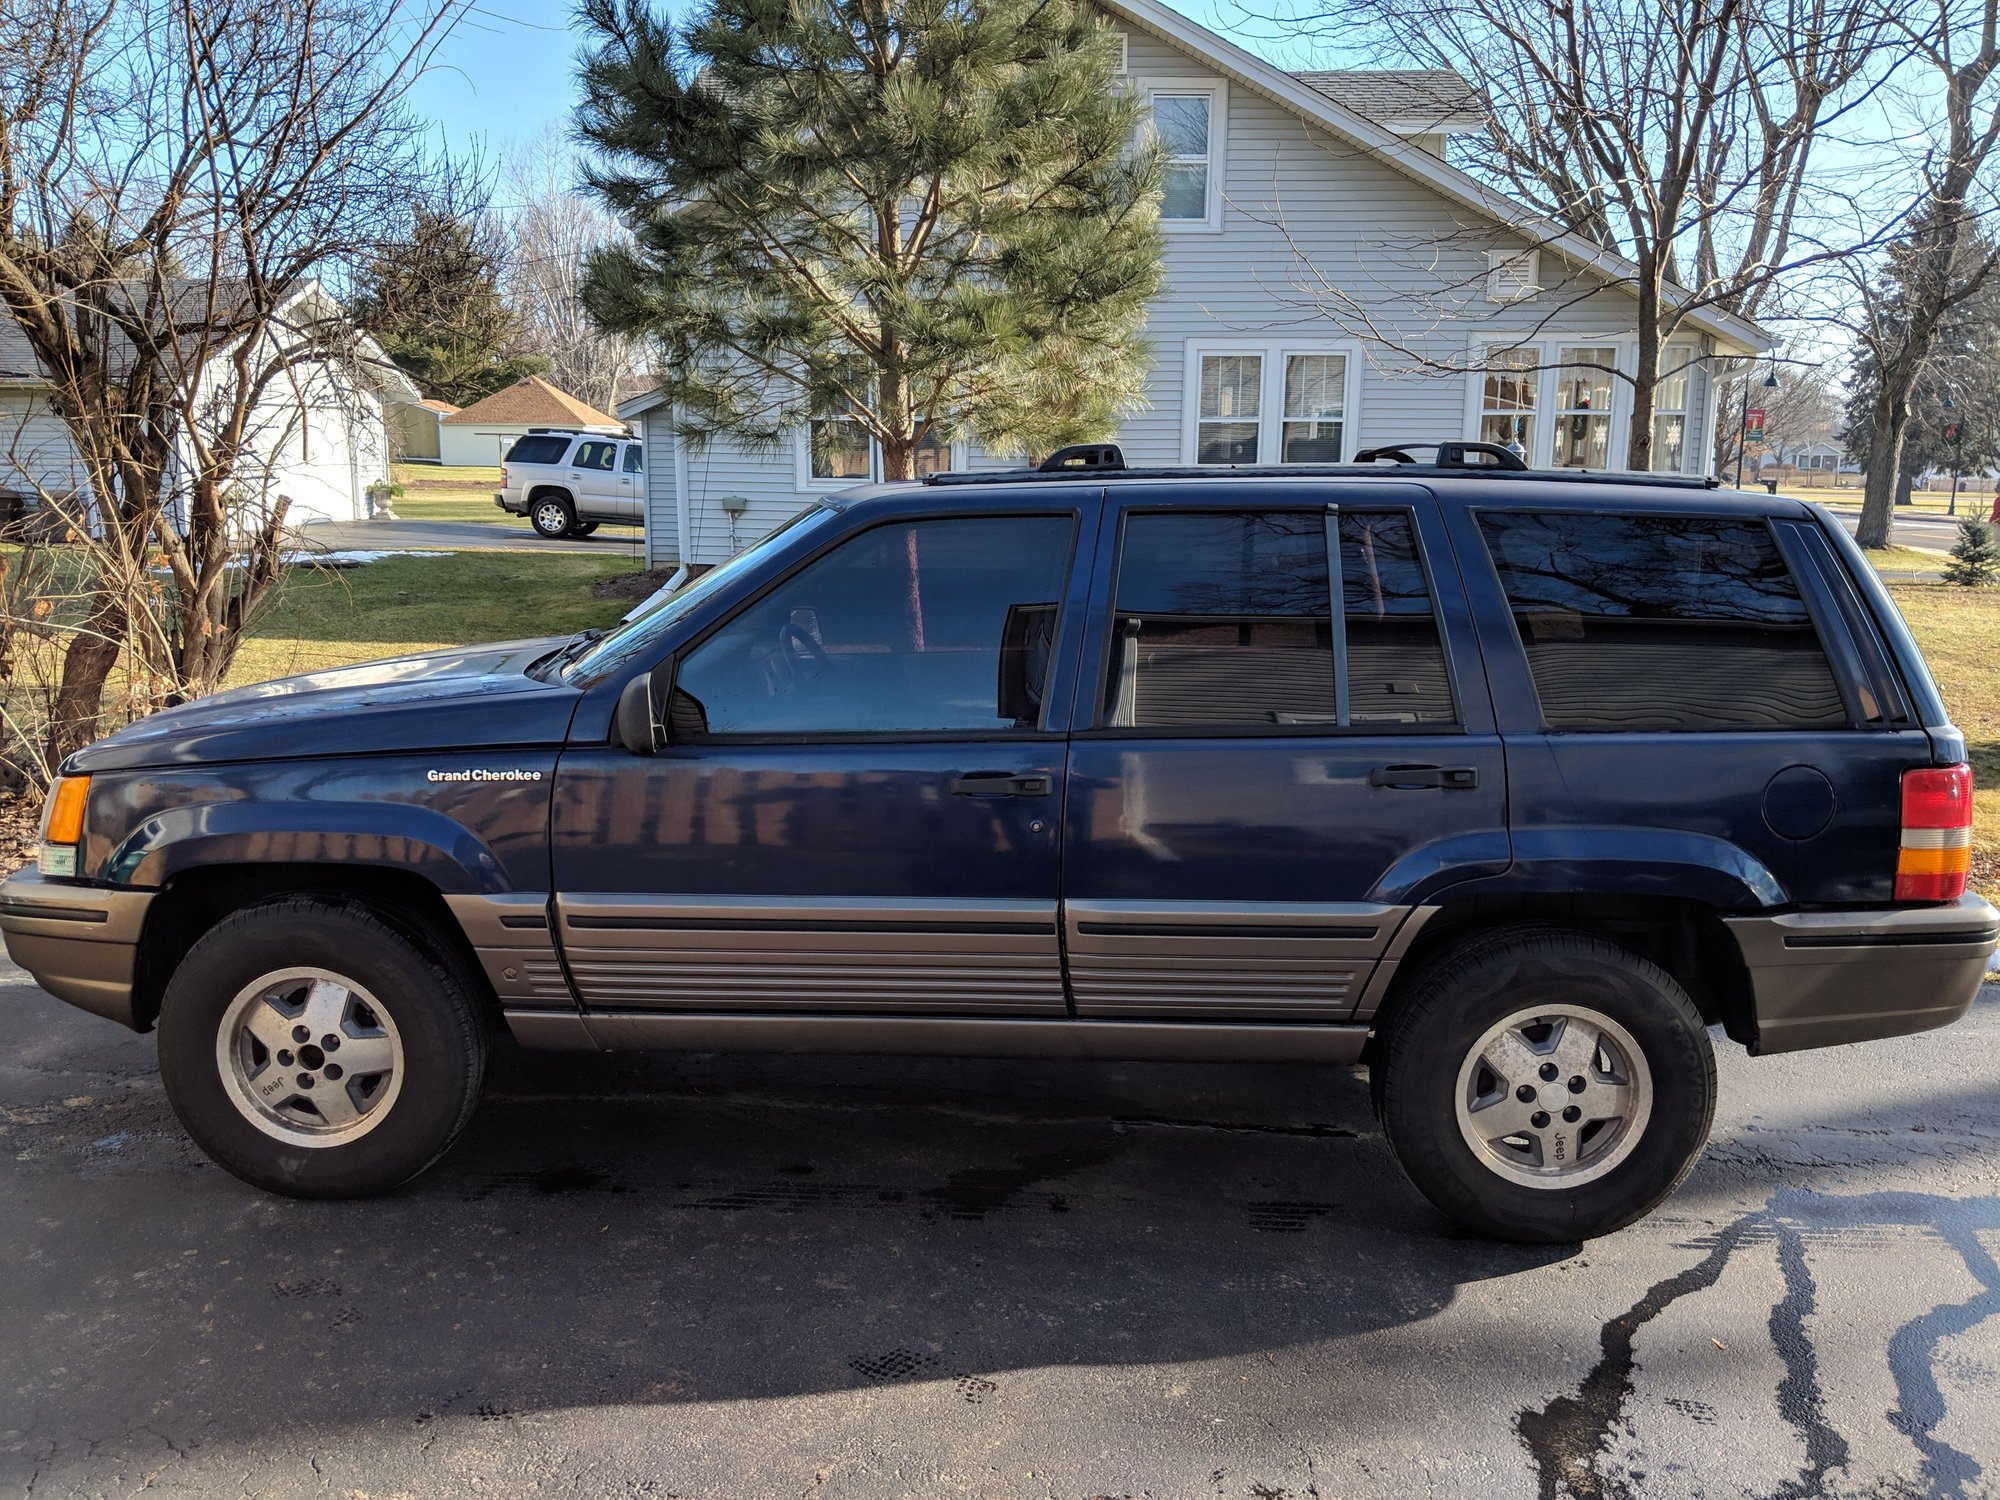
pixel 851 1277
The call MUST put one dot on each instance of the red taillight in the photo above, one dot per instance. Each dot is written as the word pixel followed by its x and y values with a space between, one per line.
pixel 1936 855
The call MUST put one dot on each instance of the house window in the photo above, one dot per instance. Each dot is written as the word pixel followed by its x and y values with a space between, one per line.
pixel 1512 275
pixel 1507 401
pixel 933 455
pixel 839 449
pixel 1670 399
pixel 1315 400
pixel 1185 126
pixel 1232 389
pixel 1583 408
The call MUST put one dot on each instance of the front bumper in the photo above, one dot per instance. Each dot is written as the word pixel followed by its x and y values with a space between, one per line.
pixel 1820 978
pixel 79 941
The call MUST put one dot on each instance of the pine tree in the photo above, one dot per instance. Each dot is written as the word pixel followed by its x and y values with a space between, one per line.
pixel 924 216
pixel 1975 556
pixel 432 301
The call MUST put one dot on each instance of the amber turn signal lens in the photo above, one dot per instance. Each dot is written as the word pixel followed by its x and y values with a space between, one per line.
pixel 65 820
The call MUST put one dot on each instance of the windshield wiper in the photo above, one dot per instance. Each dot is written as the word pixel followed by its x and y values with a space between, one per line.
pixel 566 653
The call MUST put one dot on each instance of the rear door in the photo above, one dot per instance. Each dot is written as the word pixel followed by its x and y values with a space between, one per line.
pixel 595 479
pixel 1262 786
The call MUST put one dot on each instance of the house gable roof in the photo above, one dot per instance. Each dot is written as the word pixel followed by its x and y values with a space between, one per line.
pixel 532 401
pixel 1736 335
pixel 1413 101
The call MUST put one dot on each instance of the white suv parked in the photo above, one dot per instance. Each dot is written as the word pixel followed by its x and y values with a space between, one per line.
pixel 568 482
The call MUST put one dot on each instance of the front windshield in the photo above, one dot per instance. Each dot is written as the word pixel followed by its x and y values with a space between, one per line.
pixel 637 639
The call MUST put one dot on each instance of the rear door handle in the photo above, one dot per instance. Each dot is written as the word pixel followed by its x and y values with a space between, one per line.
pixel 1417 778
pixel 1000 784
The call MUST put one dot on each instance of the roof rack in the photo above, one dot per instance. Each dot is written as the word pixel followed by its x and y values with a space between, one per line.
pixel 1454 460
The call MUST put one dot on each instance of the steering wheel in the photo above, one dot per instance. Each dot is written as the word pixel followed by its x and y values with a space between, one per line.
pixel 804 657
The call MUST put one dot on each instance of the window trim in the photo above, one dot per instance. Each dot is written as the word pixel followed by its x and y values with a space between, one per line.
pixel 670 665
pixel 806 482
pixel 1476 514
pixel 1271 395
pixel 1217 90
pixel 1104 613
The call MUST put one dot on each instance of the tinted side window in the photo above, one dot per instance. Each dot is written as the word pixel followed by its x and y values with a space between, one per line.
pixel 595 455
pixel 923 625
pixel 537 448
pixel 1396 669
pixel 1661 622
pixel 634 459
pixel 1222 620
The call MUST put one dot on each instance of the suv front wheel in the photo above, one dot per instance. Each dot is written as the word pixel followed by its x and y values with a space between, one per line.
pixel 1545 1085
pixel 312 1049
pixel 551 515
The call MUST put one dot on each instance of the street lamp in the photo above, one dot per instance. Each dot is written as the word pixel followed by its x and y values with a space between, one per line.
pixel 1743 417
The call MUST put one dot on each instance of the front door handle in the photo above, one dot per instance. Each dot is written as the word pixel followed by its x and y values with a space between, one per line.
pixel 1417 778
pixel 1000 784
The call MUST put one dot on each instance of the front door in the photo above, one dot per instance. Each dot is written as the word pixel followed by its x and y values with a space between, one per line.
pixel 595 479
pixel 859 804
pixel 1266 786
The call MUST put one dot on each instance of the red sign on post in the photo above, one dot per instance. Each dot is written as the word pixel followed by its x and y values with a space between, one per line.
pixel 1753 422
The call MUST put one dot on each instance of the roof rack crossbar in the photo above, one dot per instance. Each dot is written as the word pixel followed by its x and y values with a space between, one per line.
pixel 1376 470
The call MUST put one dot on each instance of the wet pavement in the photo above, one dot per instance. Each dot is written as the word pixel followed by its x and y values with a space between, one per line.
pixel 852 1277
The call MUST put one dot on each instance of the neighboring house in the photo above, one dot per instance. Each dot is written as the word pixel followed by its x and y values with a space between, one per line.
pixel 414 429
pixel 319 437
pixel 481 433
pixel 1346 170
pixel 1811 458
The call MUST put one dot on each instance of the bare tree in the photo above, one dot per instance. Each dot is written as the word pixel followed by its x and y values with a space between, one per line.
pixel 1679 134
pixel 551 230
pixel 176 177
pixel 1943 260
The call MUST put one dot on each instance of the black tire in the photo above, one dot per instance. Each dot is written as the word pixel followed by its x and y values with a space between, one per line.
pixel 552 515
pixel 438 1026
pixel 583 528
pixel 1435 1028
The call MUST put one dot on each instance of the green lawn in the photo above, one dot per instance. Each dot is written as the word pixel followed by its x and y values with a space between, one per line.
pixel 432 492
pixel 1959 630
pixel 1906 559
pixel 328 617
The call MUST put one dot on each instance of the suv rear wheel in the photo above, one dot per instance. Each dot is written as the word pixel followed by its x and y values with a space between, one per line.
pixel 551 515
pixel 313 1050
pixel 1546 1086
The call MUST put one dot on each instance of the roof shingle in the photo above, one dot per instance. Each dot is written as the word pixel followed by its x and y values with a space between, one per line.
pixel 1414 97
pixel 532 401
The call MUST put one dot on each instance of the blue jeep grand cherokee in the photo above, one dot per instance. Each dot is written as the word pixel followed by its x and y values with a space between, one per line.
pixel 1509 784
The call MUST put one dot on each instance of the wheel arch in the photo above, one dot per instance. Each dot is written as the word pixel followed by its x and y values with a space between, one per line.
pixel 195 900
pixel 1685 937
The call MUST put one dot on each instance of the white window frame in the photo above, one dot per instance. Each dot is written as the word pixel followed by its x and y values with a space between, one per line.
pixel 804 480
pixel 1675 355
pixel 1548 349
pixel 1124 52
pixel 1218 146
pixel 1271 393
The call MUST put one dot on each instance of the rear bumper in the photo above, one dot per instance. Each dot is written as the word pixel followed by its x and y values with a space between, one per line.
pixel 79 941
pixel 512 507
pixel 1823 978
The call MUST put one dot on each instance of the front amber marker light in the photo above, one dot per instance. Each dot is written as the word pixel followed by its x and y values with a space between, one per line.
pixel 62 829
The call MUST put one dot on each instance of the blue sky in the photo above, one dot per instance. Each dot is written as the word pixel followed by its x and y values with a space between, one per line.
pixel 509 69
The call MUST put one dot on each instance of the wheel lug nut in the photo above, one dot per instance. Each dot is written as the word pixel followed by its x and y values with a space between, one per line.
pixel 1539 1119
pixel 1576 1084
pixel 301 1034
pixel 284 1058
pixel 1572 1114
pixel 1549 1072
pixel 306 1082
pixel 332 1071
pixel 330 1042
pixel 1525 1093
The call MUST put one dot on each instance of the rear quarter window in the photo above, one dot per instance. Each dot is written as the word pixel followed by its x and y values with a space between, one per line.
pixel 1645 622
pixel 538 448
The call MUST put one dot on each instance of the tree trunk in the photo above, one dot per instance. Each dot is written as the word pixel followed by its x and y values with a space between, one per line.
pixel 1885 464
pixel 87 664
pixel 1645 383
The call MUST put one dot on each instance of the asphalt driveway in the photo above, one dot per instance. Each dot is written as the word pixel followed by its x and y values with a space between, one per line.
pixel 853 1277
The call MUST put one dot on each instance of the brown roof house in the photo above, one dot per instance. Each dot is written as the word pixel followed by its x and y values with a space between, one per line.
pixel 481 433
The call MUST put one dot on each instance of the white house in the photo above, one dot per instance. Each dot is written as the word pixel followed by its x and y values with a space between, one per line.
pixel 480 434
pixel 1333 284
pixel 317 436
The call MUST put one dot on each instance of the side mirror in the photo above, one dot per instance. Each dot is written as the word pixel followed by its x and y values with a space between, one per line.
pixel 634 725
